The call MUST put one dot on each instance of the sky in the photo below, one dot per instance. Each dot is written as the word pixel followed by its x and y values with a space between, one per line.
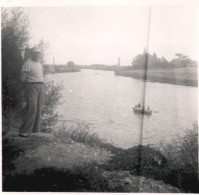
pixel 101 34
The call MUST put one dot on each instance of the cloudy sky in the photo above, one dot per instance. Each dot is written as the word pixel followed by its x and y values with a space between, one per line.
pixel 101 34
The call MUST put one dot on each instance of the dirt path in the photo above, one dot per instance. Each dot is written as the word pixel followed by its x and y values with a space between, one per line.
pixel 49 150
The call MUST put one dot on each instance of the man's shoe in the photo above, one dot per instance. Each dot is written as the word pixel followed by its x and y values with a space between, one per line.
pixel 23 135
pixel 46 130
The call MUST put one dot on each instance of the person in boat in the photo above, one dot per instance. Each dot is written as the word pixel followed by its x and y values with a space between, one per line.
pixel 143 108
pixel 138 107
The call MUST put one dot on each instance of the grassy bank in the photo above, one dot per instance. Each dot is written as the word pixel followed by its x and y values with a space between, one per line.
pixel 180 76
pixel 77 160
pixel 51 163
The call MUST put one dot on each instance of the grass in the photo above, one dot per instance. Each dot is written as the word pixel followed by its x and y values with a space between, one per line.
pixel 83 134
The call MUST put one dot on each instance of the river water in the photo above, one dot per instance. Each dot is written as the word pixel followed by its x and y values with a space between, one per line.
pixel 104 102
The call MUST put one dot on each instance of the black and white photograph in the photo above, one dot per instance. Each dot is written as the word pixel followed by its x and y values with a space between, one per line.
pixel 100 96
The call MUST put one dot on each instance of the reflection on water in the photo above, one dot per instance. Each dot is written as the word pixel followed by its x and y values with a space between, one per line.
pixel 105 101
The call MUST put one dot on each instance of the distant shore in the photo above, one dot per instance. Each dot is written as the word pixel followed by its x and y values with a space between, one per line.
pixel 62 71
pixel 181 76
pixel 59 69
pixel 175 76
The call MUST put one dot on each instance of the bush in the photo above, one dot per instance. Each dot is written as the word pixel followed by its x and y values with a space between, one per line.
pixel 52 99
pixel 81 133
pixel 140 160
pixel 11 119
pixel 182 158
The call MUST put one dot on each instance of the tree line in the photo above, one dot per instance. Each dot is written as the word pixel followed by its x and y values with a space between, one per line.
pixel 146 60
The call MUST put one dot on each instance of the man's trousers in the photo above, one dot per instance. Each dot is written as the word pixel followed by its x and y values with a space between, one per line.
pixel 34 97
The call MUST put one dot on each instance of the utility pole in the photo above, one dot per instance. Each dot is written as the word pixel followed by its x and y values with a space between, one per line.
pixel 118 61
pixel 53 65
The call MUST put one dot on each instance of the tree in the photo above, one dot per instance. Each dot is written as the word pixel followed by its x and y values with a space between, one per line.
pixel 15 37
pixel 164 62
pixel 44 46
pixel 70 64
pixel 27 53
pixel 141 61
pixel 146 60
pixel 183 61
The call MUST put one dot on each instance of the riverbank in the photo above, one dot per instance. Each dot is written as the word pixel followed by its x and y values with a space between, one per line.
pixel 76 160
pixel 47 162
pixel 180 76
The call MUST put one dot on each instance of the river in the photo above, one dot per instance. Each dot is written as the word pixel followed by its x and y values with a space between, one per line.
pixel 104 102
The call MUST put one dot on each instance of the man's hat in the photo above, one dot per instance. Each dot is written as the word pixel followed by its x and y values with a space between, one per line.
pixel 36 50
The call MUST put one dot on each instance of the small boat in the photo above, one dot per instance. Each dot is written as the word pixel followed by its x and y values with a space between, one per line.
pixel 142 111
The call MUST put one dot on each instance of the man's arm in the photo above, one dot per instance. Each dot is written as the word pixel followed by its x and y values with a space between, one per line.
pixel 25 70
pixel 23 76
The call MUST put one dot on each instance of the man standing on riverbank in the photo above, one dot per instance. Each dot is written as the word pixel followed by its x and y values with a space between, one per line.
pixel 32 77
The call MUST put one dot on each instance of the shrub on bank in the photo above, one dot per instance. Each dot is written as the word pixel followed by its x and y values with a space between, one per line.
pixel 11 119
pixel 81 133
pixel 182 159
pixel 140 160
pixel 52 99
pixel 176 163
